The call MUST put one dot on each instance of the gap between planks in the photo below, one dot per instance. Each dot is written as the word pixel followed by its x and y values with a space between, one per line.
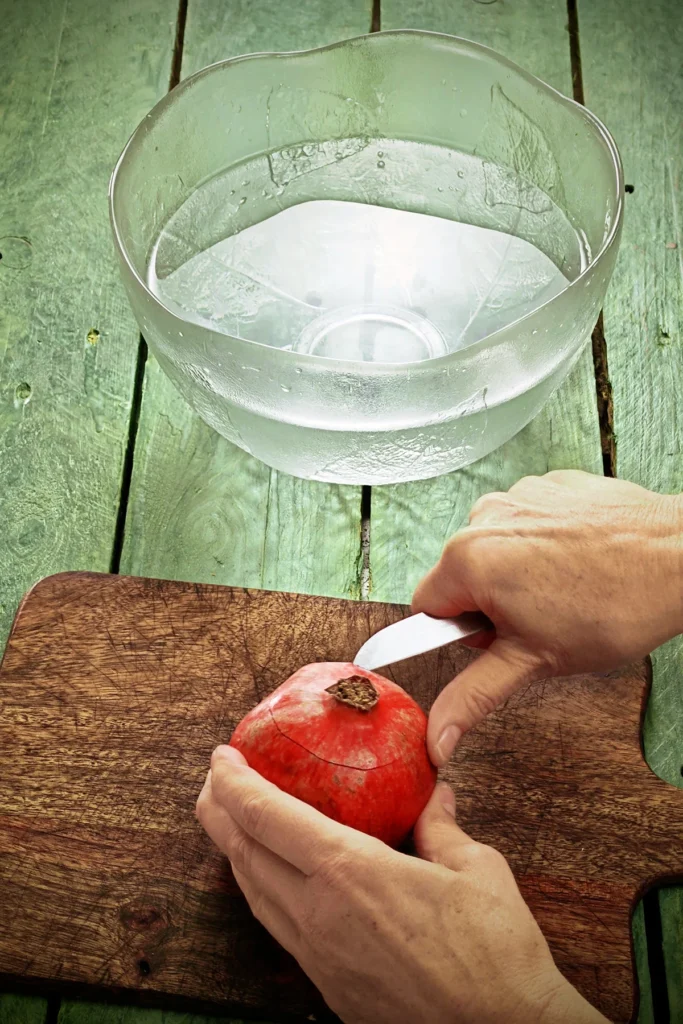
pixel 141 361
pixel 603 386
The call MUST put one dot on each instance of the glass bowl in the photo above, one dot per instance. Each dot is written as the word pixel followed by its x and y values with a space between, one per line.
pixel 371 262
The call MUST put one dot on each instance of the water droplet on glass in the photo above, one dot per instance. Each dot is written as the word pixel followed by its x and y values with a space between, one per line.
pixel 380 153
pixel 463 113
pixel 298 369
pixel 243 200
pixel 285 388
pixel 461 174
pixel 380 164
pixel 23 392
pixel 439 189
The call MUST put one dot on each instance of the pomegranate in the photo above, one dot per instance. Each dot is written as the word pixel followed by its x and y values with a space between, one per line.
pixel 346 741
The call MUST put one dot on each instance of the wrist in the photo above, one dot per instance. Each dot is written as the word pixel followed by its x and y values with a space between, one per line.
pixel 567 1006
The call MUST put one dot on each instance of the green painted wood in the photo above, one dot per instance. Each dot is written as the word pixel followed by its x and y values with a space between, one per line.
pixel 104 1013
pixel 671 908
pixel 633 78
pixel 65 390
pixel 199 508
pixel 410 523
pixel 646 1014
pixel 20 1009
pixel 74 80
pixel 203 510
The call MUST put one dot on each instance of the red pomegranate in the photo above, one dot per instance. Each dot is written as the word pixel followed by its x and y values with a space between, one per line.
pixel 346 741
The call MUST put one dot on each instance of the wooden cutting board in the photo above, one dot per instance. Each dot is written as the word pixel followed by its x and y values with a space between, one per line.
pixel 114 691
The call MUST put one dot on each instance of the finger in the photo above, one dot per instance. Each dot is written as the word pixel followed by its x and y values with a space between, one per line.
pixel 486 505
pixel 601 487
pixel 289 828
pixel 277 880
pixel 473 694
pixel 443 591
pixel 280 925
pixel 572 478
pixel 437 835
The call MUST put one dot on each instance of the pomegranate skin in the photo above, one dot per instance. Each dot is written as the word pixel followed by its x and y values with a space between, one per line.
pixel 368 769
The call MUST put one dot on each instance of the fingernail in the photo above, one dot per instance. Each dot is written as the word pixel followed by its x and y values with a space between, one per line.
pixel 447 797
pixel 226 753
pixel 446 744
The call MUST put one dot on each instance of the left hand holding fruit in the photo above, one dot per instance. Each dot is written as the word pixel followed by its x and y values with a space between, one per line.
pixel 387 937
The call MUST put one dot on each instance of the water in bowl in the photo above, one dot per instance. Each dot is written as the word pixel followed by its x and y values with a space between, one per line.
pixel 369 251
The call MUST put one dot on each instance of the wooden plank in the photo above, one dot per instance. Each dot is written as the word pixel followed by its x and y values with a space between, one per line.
pixel 645 1007
pixel 201 509
pixel 101 890
pixel 74 80
pixel 411 523
pixel 671 908
pixel 81 1012
pixel 20 1009
pixel 633 78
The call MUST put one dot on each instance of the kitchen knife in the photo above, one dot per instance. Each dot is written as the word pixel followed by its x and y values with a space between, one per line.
pixel 415 635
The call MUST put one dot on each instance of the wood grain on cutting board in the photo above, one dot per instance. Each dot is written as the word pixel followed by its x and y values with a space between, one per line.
pixel 114 691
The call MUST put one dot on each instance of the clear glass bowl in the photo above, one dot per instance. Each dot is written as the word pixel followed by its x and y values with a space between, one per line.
pixel 371 262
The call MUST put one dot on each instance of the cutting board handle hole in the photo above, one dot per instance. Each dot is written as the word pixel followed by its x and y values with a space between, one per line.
pixel 144 967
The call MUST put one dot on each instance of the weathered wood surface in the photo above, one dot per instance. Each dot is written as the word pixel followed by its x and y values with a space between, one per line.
pixel 633 78
pixel 629 61
pixel 411 522
pixel 74 80
pixel 108 878
pixel 201 509
pixel 84 1012
pixel 21 1009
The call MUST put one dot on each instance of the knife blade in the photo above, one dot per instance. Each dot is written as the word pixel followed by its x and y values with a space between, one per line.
pixel 417 634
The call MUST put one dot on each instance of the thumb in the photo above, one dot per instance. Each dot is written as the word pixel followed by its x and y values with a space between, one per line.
pixel 473 694
pixel 437 835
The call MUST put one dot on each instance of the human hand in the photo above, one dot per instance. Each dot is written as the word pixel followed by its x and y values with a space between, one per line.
pixel 387 938
pixel 578 573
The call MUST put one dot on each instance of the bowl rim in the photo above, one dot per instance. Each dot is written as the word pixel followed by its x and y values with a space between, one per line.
pixel 375 39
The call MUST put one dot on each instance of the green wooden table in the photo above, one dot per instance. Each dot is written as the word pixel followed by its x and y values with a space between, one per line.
pixel 103 466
